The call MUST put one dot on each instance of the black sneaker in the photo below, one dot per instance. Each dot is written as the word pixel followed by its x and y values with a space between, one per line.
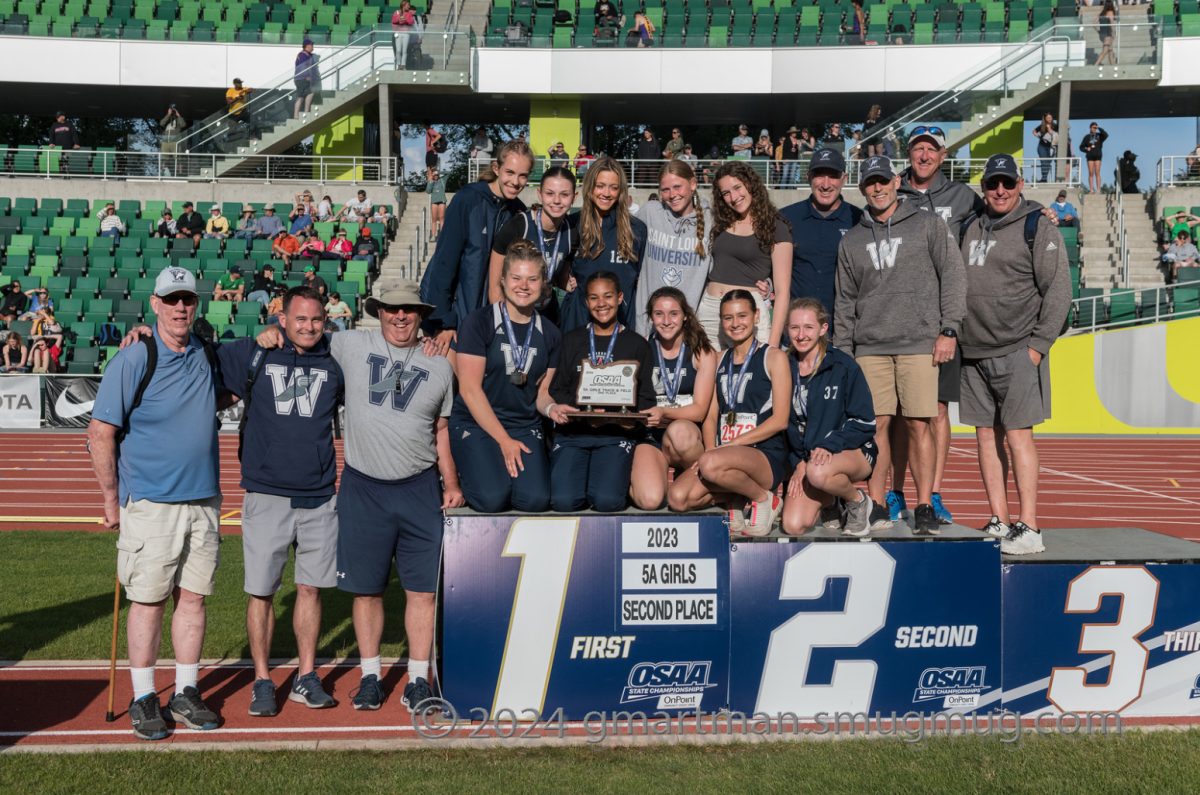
pixel 879 517
pixel 187 708
pixel 262 699
pixel 147 718
pixel 369 694
pixel 416 692
pixel 309 691
pixel 925 521
pixel 831 516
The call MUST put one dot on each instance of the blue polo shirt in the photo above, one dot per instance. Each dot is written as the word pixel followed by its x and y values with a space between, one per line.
pixel 815 241
pixel 170 453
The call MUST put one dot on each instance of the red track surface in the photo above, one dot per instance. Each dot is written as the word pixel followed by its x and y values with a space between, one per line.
pixel 1100 482
pixel 1109 482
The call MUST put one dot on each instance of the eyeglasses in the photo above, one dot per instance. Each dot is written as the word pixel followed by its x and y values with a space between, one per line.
pixel 188 299
pixel 923 130
pixel 1008 183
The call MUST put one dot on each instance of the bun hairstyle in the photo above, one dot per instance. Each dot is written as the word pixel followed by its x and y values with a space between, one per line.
pixel 523 251
pixel 693 333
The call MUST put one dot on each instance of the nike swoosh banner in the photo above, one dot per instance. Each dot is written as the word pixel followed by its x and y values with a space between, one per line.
pixel 68 400
pixel 20 402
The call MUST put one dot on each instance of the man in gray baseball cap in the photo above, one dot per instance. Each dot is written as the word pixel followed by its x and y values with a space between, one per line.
pixel 398 479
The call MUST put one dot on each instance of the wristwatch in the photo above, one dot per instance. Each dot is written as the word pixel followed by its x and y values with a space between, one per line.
pixel 949 332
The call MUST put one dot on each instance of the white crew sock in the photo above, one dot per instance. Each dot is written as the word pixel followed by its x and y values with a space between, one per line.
pixel 418 669
pixel 185 676
pixel 370 667
pixel 143 681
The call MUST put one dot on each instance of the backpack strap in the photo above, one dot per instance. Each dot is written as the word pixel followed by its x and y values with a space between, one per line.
pixel 1031 227
pixel 151 365
pixel 258 360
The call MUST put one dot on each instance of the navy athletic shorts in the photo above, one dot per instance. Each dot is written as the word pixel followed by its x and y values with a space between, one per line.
pixel 384 520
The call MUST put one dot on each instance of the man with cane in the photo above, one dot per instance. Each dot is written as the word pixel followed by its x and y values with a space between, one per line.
pixel 153 444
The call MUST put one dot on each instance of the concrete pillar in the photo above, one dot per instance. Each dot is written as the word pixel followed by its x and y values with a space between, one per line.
pixel 385 121
pixel 1064 128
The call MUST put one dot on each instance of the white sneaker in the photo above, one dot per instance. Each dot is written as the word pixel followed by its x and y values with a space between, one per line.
pixel 1023 540
pixel 737 522
pixel 858 516
pixel 762 516
pixel 996 528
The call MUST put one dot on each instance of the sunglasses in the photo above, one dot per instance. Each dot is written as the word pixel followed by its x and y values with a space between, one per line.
pixel 174 298
pixel 923 130
pixel 1008 183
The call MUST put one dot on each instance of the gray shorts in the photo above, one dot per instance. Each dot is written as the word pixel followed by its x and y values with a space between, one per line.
pixel 1005 390
pixel 271 526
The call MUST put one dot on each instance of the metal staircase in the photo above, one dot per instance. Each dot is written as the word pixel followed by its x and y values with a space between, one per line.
pixel 345 80
pixel 1062 51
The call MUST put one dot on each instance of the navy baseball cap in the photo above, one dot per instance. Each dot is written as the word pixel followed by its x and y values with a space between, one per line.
pixel 876 166
pixel 827 160
pixel 1001 166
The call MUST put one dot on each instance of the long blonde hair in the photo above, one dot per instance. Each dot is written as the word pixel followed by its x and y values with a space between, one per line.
pixel 680 168
pixel 591 232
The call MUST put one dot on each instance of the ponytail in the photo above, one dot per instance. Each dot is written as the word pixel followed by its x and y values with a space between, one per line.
pixel 507 149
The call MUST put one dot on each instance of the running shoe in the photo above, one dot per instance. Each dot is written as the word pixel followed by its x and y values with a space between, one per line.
pixel 996 528
pixel 896 505
pixel 1023 540
pixel 146 715
pixel 944 516
pixel 737 522
pixel 417 692
pixel 831 516
pixel 762 516
pixel 309 691
pixel 858 516
pixel 262 699
pixel 879 517
pixel 925 521
pixel 369 694
pixel 189 709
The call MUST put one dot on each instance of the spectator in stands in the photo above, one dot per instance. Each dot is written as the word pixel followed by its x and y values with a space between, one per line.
pixel 1175 223
pixel 649 150
pixel 434 145
pixel 275 307
pixel 287 245
pixel 63 133
pixel 300 219
pixel 643 30
pixel 763 148
pixel 264 282
pixel 190 223
pixel 404 19
pixel 436 188
pixel 325 209
pixel 14 301
pixel 40 360
pixel 47 326
pixel 1065 211
pixel 305 76
pixel 808 144
pixel 366 248
pixel 231 286
pixel 39 300
pixel 558 156
pixel 854 145
pixel 688 156
pixel 742 144
pixel 583 159
pixel 172 125
pixel 166 225
pixel 1093 148
pixel 235 106
pixel 312 247
pixel 1193 164
pixel 1018 297
pixel 606 15
pixel 248 226
pixel 674 147
pixel 481 146
pixel 834 139
pixel 15 354
pixel 1181 253
pixel 874 147
pixel 381 215
pixel 340 247
pixel 311 279
pixel 357 210
pixel 1128 173
pixel 111 224
pixel 1106 20
pixel 857 32
pixel 270 224
pixel 218 225
pixel 338 312
pixel 789 153
pixel 305 200
pixel 1046 134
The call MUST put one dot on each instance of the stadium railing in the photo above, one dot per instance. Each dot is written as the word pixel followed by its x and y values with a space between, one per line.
pixel 52 162
pixel 784 174
pixel 1179 170
pixel 1096 310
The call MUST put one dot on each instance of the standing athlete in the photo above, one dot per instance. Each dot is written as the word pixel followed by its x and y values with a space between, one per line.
pixel 398 478
pixel 154 449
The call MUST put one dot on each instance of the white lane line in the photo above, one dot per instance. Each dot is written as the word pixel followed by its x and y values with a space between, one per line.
pixel 1122 486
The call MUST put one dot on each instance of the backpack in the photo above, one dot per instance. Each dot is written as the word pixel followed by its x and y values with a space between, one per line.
pixel 108 334
pixel 151 344
pixel 1031 225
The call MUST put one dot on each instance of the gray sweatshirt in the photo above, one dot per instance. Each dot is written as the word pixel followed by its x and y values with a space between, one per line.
pixel 953 201
pixel 670 259
pixel 1015 298
pixel 899 283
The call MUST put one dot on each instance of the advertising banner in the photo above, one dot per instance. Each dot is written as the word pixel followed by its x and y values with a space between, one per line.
pixel 69 400
pixel 20 401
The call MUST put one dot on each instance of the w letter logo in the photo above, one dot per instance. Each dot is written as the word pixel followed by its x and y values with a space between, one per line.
pixel 979 252
pixel 883 253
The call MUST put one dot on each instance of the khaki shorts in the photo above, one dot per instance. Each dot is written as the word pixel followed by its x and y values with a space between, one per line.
pixel 905 385
pixel 167 544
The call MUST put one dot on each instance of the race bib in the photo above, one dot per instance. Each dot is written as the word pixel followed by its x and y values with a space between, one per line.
pixel 743 421
pixel 680 401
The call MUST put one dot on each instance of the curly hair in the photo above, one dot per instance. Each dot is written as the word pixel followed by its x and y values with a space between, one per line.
pixel 762 212
pixel 591 234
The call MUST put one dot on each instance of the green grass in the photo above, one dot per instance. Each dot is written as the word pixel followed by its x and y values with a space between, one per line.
pixel 56 595
pixel 1150 762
